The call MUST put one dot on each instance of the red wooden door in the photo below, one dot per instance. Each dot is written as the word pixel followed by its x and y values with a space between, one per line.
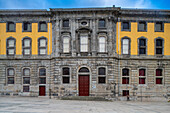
pixel 83 85
pixel 41 90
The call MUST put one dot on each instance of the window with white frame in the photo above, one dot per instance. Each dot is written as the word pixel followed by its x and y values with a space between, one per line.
pixel 101 75
pixel 66 45
pixel 26 79
pixel 11 46
pixel 66 75
pixel 142 76
pixel 102 44
pixel 42 46
pixel 159 76
pixel 84 43
pixel 26 46
pixel 10 75
pixel 125 44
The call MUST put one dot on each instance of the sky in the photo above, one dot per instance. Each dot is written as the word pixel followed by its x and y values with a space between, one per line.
pixel 46 4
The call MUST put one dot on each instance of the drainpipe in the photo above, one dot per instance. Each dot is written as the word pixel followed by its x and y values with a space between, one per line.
pixel 118 56
pixel 50 61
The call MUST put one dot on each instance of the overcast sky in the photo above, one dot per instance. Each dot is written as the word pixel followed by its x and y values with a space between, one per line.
pixel 46 4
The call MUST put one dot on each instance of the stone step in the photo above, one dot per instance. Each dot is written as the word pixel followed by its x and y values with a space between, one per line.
pixel 85 98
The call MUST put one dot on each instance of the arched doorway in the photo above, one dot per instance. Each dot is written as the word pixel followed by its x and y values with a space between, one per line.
pixel 84 81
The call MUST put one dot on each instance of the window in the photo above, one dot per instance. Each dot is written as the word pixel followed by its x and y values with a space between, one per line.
pixel 27 27
pixel 10 75
pixel 26 79
pixel 101 80
pixel 84 70
pixel 125 46
pixel 102 71
pixel 125 76
pixel 26 46
pixel 142 76
pixel 102 44
pixel 66 80
pixel 66 71
pixel 125 92
pixel 42 76
pixel 142 46
pixel 159 27
pixel 26 88
pixel 83 43
pixel 159 46
pixel 66 45
pixel 65 23
pixel 102 23
pixel 42 46
pixel 101 75
pixel 10 27
pixel 42 27
pixel 159 76
pixel 126 26
pixel 66 75
pixel 26 76
pixel 142 26
pixel 10 46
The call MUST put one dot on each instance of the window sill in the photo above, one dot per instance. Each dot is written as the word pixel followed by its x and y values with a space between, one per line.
pixel 126 30
pixel 160 31
pixel 10 31
pixel 102 27
pixel 65 28
pixel 102 52
pixel 42 31
pixel 142 30
pixel 26 31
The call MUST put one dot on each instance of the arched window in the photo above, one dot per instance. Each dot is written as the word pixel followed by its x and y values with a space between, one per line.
pixel 142 76
pixel 125 46
pixel 142 46
pixel 66 45
pixel 26 79
pixel 26 46
pixel 10 75
pixel 11 45
pixel 159 46
pixel 42 46
pixel 10 27
pixel 27 27
pixel 42 76
pixel 83 70
pixel 125 76
pixel 42 27
pixel 102 44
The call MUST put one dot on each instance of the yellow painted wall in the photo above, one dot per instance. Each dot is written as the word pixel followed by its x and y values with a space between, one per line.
pixel 18 35
pixel 150 35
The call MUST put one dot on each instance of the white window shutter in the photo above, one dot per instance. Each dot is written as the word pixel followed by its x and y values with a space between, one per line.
pixel 125 46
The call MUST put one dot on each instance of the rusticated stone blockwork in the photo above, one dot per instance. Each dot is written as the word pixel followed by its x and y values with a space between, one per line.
pixel 95 52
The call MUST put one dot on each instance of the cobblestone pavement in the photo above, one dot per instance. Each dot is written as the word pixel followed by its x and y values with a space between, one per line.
pixel 45 105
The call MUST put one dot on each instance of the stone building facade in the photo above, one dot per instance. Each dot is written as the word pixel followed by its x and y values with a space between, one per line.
pixel 107 52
